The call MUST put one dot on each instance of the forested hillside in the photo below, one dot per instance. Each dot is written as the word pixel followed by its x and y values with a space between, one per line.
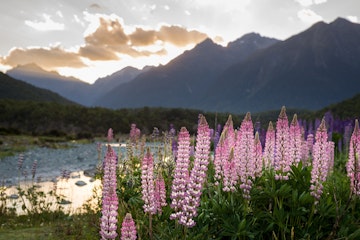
pixel 11 88
pixel 45 118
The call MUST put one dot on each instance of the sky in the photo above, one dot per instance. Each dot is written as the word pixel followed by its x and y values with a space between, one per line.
pixel 89 39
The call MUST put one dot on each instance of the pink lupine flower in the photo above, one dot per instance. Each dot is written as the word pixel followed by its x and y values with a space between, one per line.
pixel 108 224
pixel 258 155
pixel 147 183
pixel 160 193
pixel 134 133
pixel 181 173
pixel 353 163
pixel 128 229
pixel 225 166
pixel 281 162
pixel 230 174
pixel 304 147
pixel 108 221
pixel 197 175
pixel 269 150
pixel 244 149
pixel 295 143
pixel 320 163
pixel 110 135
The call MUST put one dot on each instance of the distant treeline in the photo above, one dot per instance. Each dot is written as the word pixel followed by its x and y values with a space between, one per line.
pixel 47 118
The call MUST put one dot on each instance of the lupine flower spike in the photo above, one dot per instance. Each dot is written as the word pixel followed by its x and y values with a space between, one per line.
pixel 269 150
pixel 245 153
pixel 181 173
pixel 108 221
pixel 128 229
pixel 147 183
pixel 321 158
pixel 353 163
pixel 282 163
pixel 197 175
pixel 295 143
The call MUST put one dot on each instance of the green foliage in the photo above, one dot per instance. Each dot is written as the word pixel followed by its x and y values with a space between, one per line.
pixel 278 209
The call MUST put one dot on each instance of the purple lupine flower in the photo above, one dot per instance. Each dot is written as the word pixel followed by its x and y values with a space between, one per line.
pixel 128 229
pixel 281 161
pixel 20 161
pixel 244 149
pixel 269 151
pixel 258 155
pixel 217 136
pixel 147 183
pixel 320 162
pixel 65 174
pixel 295 143
pixel 110 135
pixel 181 173
pixel 347 135
pixel 160 193
pixel 197 175
pixel 353 163
pixel 108 221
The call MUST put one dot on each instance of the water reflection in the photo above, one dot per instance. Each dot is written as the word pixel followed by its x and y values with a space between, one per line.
pixel 74 191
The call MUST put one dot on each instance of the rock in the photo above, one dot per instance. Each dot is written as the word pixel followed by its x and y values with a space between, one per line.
pixel 80 183
pixel 13 196
pixel 90 172
pixel 64 202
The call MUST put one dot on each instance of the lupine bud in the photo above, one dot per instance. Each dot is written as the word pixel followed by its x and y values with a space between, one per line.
pixel 128 229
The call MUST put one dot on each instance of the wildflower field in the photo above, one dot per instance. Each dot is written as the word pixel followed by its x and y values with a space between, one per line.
pixel 291 180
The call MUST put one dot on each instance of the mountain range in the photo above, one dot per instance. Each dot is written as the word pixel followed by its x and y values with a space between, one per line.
pixel 310 70
pixel 11 88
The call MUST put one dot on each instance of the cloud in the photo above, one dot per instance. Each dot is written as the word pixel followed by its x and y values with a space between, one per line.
pixel 109 39
pixel 309 16
pixel 47 25
pixel 353 19
pixel 305 3
pixel 180 36
pixel 48 58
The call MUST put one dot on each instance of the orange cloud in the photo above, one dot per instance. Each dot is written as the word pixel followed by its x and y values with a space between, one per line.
pixel 44 57
pixel 107 43
pixel 180 36
pixel 141 37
